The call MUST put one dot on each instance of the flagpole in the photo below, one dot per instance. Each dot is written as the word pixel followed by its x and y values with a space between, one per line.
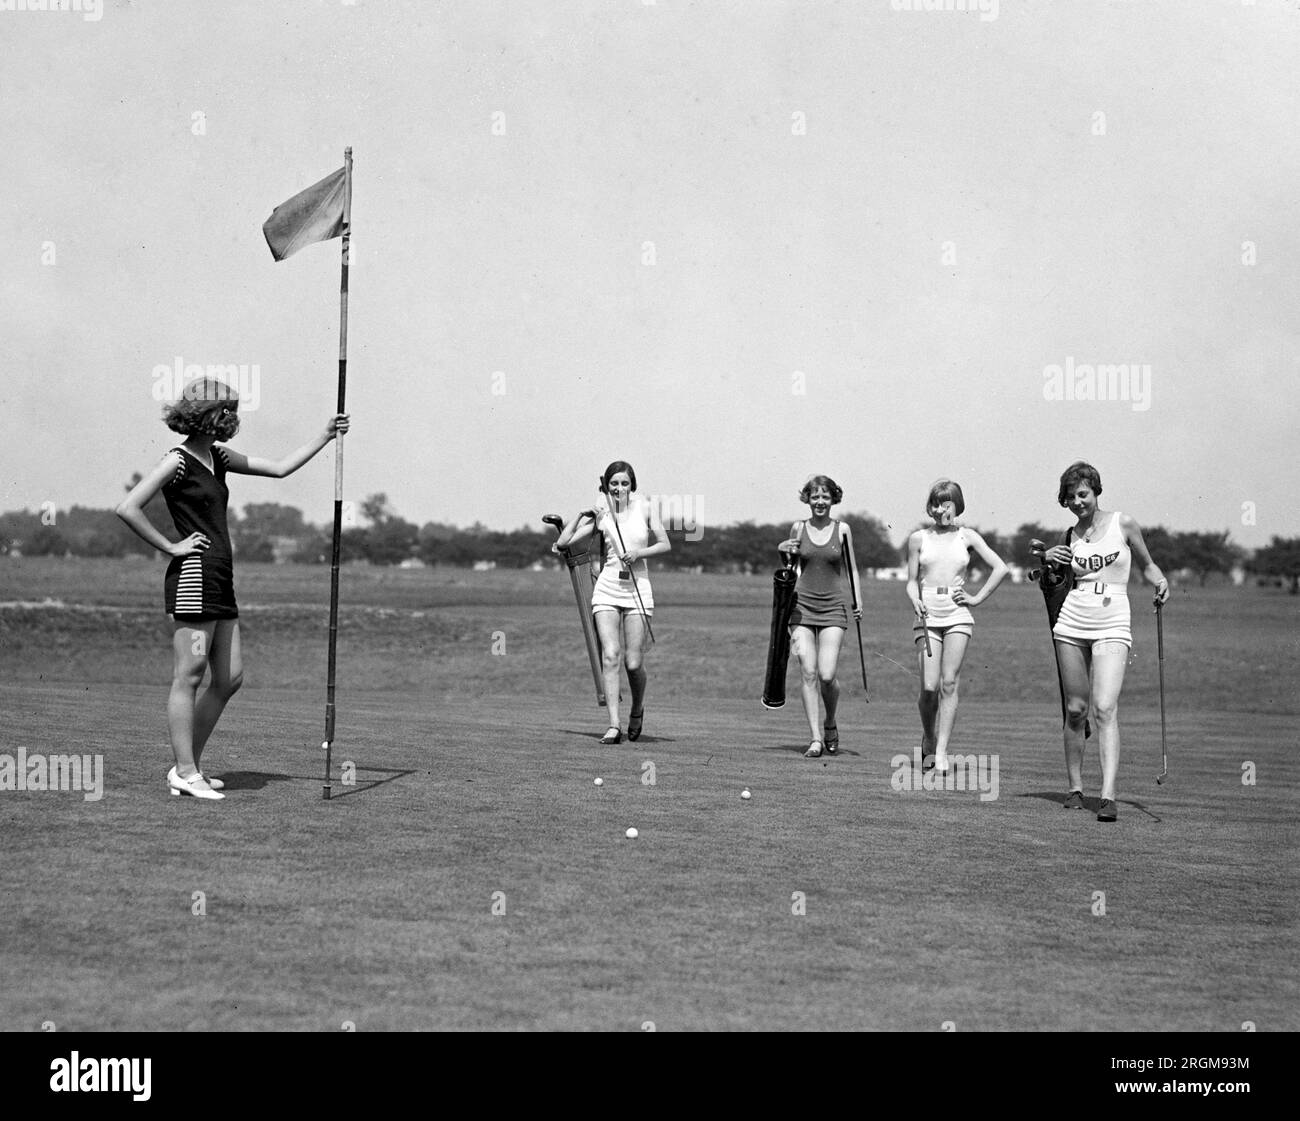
pixel 338 469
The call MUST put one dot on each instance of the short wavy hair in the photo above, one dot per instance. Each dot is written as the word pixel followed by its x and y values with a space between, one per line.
pixel 815 481
pixel 206 407
pixel 612 470
pixel 1076 473
pixel 945 490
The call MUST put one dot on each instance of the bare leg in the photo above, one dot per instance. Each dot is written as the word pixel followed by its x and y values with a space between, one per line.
pixel 609 627
pixel 828 658
pixel 928 702
pixel 227 668
pixel 1109 660
pixel 191 646
pixel 954 650
pixel 803 645
pixel 1074 665
pixel 633 658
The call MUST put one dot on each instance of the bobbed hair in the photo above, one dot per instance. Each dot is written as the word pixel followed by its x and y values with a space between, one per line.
pixel 1078 472
pixel 945 490
pixel 613 469
pixel 831 486
pixel 206 407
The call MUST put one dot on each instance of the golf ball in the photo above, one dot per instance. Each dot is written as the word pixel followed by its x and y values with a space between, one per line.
pixel 745 794
pixel 600 782
pixel 631 833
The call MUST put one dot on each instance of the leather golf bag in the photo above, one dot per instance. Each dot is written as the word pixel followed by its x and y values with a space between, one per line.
pixel 778 644
pixel 1056 583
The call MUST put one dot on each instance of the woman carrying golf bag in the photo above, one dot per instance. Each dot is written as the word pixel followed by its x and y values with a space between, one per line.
pixel 937 560
pixel 622 600
pixel 1092 633
pixel 823 550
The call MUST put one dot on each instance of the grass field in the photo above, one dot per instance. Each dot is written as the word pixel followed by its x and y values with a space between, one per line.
pixel 475 777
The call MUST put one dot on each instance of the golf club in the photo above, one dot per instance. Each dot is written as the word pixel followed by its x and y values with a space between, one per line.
pixel 857 606
pixel 622 551
pixel 925 627
pixel 1160 649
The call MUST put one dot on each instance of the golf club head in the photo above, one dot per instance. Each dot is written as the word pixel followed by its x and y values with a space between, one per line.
pixel 555 520
pixel 1160 779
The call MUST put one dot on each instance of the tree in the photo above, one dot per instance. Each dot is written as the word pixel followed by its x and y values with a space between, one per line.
pixel 1206 553
pixel 155 510
pixel 871 545
pixel 1280 557
pixel 17 528
pixel 376 509
pixel 1164 548
pixel 270 519
pixel 995 541
pixel 1017 545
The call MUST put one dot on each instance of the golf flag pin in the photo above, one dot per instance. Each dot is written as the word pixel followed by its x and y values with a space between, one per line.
pixel 315 214
pixel 322 212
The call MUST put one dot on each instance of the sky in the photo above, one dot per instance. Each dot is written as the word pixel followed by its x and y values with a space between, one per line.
pixel 734 243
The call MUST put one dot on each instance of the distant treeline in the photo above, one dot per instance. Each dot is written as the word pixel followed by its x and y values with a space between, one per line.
pixel 269 531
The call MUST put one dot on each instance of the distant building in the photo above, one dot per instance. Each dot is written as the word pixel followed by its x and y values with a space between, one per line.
pixel 484 565
pixel 889 573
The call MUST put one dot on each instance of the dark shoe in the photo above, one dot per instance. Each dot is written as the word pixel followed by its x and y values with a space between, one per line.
pixel 634 725
pixel 1108 812
pixel 832 740
pixel 1073 801
pixel 611 737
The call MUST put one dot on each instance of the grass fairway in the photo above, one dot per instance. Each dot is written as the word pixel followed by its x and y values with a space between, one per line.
pixel 475 776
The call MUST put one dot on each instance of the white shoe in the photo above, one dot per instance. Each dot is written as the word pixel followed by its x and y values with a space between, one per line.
pixel 196 786
pixel 215 783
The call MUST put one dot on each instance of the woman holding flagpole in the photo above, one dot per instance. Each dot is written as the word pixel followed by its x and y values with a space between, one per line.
pixel 199 587
pixel 622 600
pixel 823 551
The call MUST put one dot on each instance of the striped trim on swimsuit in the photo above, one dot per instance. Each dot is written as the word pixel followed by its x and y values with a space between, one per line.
pixel 189 587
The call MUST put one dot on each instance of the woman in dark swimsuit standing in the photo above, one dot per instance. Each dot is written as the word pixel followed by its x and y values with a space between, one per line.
pixel 824 551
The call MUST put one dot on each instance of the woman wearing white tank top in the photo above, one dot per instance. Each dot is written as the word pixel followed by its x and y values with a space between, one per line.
pixel 1092 632
pixel 937 560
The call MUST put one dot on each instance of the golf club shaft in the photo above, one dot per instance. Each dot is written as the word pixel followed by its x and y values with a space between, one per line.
pixel 1160 655
pixel 862 661
pixel 925 626
pixel 622 551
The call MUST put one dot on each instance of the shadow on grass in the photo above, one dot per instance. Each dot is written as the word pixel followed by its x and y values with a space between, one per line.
pixel 625 742
pixel 259 780
pixel 800 748
pixel 1092 805
pixel 391 773
pixel 250 780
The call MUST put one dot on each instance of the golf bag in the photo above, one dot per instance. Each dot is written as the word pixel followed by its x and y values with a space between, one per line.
pixel 1056 583
pixel 778 644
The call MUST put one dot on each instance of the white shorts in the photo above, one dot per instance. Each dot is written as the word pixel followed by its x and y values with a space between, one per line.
pixel 613 594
